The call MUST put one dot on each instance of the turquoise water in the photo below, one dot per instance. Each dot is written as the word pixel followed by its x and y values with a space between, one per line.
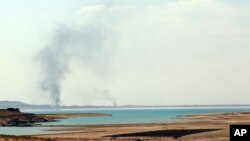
pixel 119 116
pixel 26 130
pixel 136 115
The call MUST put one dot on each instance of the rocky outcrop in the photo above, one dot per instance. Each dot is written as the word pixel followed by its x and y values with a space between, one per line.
pixel 13 117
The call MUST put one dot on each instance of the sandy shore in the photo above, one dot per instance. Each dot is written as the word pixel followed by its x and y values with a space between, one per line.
pixel 203 127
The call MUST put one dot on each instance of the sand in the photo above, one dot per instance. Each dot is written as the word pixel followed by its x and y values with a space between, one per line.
pixel 203 127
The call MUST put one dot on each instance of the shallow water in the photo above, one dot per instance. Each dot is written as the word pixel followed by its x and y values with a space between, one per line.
pixel 119 116
pixel 26 130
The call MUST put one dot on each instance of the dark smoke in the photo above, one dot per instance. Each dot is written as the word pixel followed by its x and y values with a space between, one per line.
pixel 67 43
pixel 104 94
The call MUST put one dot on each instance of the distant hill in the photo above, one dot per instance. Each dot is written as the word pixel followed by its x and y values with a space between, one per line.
pixel 21 105
pixel 10 103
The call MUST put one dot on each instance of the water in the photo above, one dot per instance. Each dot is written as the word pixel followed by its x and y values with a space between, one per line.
pixel 119 116
pixel 136 115
pixel 27 130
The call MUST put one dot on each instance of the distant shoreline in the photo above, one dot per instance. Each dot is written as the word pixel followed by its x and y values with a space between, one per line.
pixel 21 105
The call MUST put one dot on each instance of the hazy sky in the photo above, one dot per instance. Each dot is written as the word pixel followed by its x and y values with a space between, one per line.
pixel 150 52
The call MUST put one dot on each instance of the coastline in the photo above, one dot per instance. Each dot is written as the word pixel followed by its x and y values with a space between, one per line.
pixel 212 127
pixel 13 117
pixel 192 127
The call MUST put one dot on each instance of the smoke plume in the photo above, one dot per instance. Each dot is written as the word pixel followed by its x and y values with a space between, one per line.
pixel 68 43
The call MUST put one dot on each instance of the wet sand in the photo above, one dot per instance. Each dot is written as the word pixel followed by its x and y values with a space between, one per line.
pixel 202 127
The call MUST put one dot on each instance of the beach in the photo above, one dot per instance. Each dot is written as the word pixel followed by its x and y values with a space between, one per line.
pixel 200 127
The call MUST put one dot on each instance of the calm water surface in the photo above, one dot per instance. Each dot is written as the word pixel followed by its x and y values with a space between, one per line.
pixel 119 116
pixel 136 115
pixel 27 130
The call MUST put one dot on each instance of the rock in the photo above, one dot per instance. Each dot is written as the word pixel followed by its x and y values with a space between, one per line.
pixel 13 117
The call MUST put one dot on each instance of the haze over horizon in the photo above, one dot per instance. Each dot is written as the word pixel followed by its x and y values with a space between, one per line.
pixel 96 52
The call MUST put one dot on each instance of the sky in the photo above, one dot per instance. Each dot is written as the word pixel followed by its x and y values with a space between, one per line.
pixel 115 52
